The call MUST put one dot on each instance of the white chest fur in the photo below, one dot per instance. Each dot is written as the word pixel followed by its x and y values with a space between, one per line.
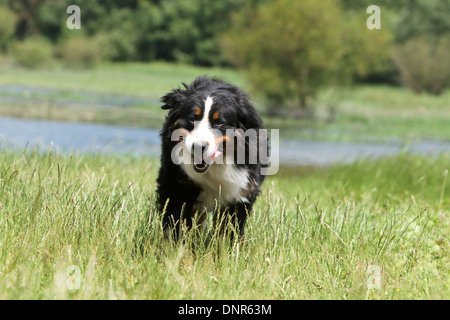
pixel 221 184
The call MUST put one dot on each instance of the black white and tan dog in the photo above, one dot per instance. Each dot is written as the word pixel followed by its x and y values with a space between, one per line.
pixel 208 162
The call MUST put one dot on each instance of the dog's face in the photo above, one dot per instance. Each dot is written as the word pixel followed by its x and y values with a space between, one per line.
pixel 203 118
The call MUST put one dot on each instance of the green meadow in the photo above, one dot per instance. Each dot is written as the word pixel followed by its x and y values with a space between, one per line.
pixel 86 227
pixel 335 84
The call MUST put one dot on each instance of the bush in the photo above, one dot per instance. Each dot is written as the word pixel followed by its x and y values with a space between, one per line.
pixel 80 52
pixel 33 52
pixel 117 45
pixel 422 18
pixel 424 63
pixel 293 48
pixel 7 26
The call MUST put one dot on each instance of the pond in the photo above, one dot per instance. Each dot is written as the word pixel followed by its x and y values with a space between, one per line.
pixel 66 137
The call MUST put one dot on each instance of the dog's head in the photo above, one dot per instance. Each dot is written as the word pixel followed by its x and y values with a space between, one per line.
pixel 201 117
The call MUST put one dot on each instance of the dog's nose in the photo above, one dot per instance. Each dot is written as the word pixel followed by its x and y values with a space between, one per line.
pixel 200 146
pixel 198 149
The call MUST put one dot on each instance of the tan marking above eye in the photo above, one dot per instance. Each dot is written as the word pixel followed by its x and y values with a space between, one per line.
pixel 198 111
pixel 216 115
pixel 183 134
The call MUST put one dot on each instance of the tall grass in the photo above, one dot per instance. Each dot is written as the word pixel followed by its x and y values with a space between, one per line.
pixel 313 235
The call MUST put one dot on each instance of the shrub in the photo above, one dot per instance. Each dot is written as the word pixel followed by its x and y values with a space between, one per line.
pixel 424 63
pixel 33 52
pixel 7 19
pixel 293 48
pixel 80 52
pixel 117 45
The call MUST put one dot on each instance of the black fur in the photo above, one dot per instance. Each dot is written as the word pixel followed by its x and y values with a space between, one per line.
pixel 177 193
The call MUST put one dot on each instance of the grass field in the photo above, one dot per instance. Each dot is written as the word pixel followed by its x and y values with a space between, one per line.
pixel 362 113
pixel 85 227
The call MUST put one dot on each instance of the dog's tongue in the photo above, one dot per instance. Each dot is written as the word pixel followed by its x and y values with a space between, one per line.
pixel 200 160
pixel 216 154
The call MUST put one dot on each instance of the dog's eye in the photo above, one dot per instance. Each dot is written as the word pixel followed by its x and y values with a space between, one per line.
pixel 218 123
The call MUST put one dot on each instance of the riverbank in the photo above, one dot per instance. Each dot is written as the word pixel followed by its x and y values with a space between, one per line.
pixel 128 95
pixel 65 138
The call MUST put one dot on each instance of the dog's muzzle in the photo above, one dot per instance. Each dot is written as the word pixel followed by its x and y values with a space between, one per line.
pixel 200 162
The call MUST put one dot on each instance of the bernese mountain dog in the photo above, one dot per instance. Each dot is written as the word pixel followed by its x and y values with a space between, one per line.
pixel 210 162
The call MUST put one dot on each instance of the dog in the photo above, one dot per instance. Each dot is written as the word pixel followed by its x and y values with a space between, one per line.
pixel 203 168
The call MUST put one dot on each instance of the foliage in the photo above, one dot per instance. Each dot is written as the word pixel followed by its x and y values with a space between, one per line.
pixel 423 18
pixel 80 52
pixel 361 5
pixel 27 12
pixel 144 30
pixel 51 19
pixel 33 52
pixel 365 51
pixel 292 49
pixel 191 28
pixel 7 19
pixel 119 44
pixel 406 19
pixel 424 63
pixel 189 32
pixel 423 43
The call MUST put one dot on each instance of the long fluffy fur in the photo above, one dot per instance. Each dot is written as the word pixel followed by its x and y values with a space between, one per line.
pixel 229 190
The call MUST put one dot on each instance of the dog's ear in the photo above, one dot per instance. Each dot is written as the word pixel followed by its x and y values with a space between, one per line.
pixel 248 118
pixel 174 99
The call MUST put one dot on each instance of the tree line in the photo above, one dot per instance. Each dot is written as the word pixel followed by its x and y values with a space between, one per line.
pixel 290 49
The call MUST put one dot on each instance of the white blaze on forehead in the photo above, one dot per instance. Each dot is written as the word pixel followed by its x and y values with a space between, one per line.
pixel 203 127
pixel 204 123
pixel 202 131
pixel 208 104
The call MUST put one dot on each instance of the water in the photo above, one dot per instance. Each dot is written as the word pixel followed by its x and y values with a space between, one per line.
pixel 65 137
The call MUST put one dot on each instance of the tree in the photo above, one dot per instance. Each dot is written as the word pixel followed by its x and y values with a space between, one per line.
pixel 423 18
pixel 27 11
pixel 293 48
pixel 424 63
pixel 190 29
pixel 423 45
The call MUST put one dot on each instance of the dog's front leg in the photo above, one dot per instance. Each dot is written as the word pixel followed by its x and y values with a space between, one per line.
pixel 177 215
